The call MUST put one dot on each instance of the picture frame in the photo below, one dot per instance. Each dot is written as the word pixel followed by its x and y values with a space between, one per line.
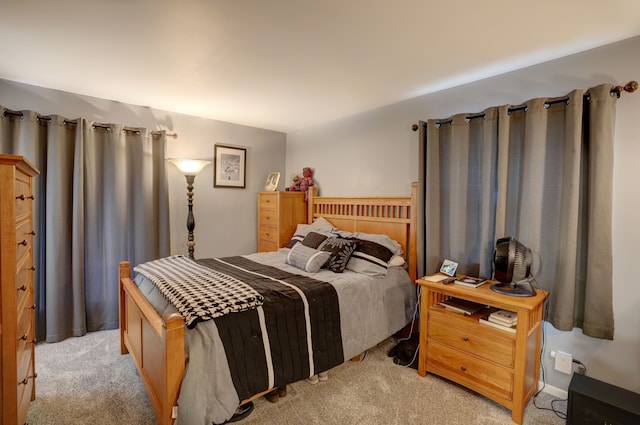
pixel 271 184
pixel 449 268
pixel 229 166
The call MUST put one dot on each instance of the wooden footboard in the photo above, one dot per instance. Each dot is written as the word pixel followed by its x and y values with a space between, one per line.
pixel 156 345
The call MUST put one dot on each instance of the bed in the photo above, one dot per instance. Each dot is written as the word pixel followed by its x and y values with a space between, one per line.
pixel 186 378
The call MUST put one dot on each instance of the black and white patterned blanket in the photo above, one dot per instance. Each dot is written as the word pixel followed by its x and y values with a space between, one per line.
pixel 199 293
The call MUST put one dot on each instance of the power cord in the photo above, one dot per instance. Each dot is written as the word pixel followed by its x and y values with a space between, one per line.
pixel 561 414
pixel 413 322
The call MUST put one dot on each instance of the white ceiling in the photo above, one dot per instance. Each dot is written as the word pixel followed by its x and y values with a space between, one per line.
pixel 289 64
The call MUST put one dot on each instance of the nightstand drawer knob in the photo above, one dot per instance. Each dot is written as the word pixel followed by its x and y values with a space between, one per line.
pixel 22 288
pixel 465 338
pixel 463 368
pixel 24 242
pixel 23 338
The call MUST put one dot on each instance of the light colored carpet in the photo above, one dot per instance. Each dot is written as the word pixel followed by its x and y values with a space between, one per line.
pixel 86 380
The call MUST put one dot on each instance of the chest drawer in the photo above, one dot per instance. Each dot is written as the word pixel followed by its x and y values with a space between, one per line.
pixel 269 234
pixel 465 334
pixel 269 201
pixel 475 373
pixel 268 218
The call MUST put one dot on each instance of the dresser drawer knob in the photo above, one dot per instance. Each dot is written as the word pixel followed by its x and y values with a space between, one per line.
pixel 463 368
pixel 23 338
pixel 21 197
pixel 31 197
pixel 25 381
pixel 32 233
pixel 465 338
pixel 22 288
pixel 32 268
pixel 33 307
pixel 24 242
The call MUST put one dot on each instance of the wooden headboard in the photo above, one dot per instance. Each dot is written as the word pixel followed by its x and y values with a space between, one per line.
pixel 393 216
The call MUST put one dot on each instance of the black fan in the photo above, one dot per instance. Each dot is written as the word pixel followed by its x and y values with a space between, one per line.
pixel 511 267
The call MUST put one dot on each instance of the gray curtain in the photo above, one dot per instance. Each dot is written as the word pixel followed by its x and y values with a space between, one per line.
pixel 101 198
pixel 542 173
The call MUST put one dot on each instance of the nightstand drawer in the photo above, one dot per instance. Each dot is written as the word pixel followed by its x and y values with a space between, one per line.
pixel 470 371
pixel 464 333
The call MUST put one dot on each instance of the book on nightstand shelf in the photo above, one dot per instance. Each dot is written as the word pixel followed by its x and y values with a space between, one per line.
pixel 504 317
pixel 485 320
pixel 470 281
pixel 461 306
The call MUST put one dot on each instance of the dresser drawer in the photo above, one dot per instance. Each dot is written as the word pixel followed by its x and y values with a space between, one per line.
pixel 24 238
pixel 23 198
pixel 470 371
pixel 269 200
pixel 25 390
pixel 464 333
pixel 24 295
pixel 24 351
pixel 24 329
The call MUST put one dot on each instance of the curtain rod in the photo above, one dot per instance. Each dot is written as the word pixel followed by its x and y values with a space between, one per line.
pixel 101 126
pixel 630 87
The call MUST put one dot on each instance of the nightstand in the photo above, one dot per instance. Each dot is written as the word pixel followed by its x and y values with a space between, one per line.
pixel 498 364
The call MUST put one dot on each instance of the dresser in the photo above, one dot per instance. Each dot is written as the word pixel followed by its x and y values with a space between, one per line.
pixel 17 367
pixel 496 363
pixel 279 213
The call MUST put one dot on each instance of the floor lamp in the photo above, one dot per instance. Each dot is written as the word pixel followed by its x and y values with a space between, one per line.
pixel 190 168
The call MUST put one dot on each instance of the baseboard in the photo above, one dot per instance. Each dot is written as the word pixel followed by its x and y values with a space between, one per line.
pixel 554 391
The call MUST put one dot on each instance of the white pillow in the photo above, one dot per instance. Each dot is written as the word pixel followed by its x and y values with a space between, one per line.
pixel 397 261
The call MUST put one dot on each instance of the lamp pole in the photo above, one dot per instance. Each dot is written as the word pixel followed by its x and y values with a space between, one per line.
pixel 190 167
pixel 191 221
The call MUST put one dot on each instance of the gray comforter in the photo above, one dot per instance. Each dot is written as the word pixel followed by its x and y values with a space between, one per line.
pixel 371 310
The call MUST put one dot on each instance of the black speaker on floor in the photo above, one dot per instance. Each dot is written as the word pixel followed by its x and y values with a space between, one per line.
pixel 593 402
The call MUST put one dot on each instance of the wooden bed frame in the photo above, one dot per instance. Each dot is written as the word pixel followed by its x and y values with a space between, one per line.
pixel 156 343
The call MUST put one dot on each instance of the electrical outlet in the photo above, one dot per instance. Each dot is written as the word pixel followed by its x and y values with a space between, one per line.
pixel 564 362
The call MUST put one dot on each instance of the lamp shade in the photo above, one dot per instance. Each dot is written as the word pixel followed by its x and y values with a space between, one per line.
pixel 190 167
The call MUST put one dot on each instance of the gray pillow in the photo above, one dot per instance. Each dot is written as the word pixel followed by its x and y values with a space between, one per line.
pixel 308 259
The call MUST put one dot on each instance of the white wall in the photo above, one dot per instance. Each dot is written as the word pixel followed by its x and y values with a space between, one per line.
pixel 375 153
pixel 225 218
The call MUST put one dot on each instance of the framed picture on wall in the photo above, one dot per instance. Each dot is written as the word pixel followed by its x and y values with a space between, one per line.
pixel 230 166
